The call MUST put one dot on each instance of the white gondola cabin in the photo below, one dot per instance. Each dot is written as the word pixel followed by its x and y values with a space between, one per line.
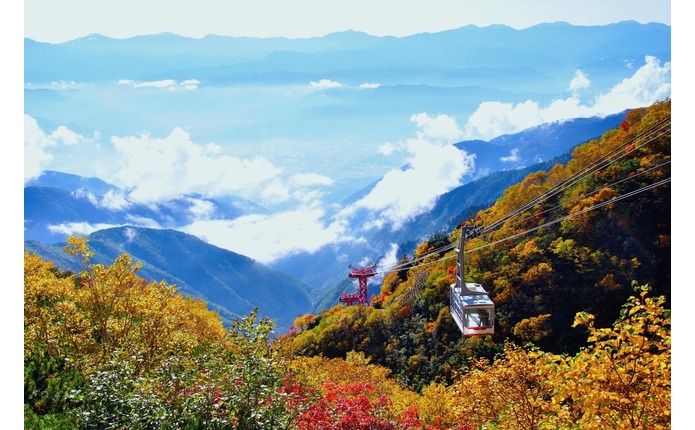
pixel 470 305
pixel 473 314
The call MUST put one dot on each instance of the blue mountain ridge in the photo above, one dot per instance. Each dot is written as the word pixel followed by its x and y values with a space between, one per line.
pixel 231 284
pixel 57 198
pixel 554 48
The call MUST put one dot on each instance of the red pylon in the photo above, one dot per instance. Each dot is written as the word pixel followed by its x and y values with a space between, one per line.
pixel 361 296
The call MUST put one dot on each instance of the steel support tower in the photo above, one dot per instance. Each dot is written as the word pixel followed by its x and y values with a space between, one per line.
pixel 361 296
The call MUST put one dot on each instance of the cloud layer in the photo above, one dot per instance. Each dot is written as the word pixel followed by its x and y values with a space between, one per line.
pixel 650 82
pixel 162 168
pixel 434 167
pixel 154 170
pixel 267 238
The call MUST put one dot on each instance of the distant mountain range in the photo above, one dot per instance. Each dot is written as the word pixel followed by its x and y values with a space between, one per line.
pixel 230 283
pixel 56 199
pixel 247 92
pixel 482 55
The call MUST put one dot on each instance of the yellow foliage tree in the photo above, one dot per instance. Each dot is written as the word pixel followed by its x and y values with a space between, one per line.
pixel 510 393
pixel 107 309
pixel 623 380
pixel 533 329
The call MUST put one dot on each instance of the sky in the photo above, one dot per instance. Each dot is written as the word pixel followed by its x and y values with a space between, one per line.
pixel 59 21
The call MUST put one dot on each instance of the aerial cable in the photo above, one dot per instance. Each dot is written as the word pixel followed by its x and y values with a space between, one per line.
pixel 635 176
pixel 580 175
pixel 575 178
pixel 568 182
pixel 583 211
pixel 596 206
pixel 530 230
pixel 585 171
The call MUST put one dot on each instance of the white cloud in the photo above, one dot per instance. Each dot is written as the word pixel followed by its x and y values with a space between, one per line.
pixel 36 156
pixel 369 86
pixel 441 127
pixel 324 84
pixel 187 84
pixel 579 81
pixel 434 167
pixel 512 157
pixel 297 188
pixel 160 169
pixel 115 201
pixel 130 234
pixel 387 148
pixel 66 136
pixel 307 196
pixel 112 200
pixel 63 85
pixel 190 84
pixel 142 221
pixel 164 83
pixel 386 263
pixel 267 238
pixel 276 192
pixel 37 144
pixel 310 179
pixel 201 209
pixel 492 119
pixel 82 228
pixel 650 83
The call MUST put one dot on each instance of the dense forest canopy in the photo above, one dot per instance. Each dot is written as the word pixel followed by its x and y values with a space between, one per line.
pixel 576 259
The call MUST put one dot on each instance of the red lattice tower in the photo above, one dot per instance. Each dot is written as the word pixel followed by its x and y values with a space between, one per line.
pixel 361 296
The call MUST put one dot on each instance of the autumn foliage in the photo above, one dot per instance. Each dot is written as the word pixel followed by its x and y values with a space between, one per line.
pixel 243 379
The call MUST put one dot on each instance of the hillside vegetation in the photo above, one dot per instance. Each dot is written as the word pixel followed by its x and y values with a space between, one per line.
pixel 577 260
pixel 568 240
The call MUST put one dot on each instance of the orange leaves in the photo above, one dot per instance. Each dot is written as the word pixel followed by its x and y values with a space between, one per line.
pixel 510 393
pixel 404 312
pixel 533 329
pixel 303 322
pixel 538 274
pixel 608 283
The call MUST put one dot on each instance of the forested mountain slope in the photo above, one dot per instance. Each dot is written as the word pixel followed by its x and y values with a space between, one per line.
pixel 231 284
pixel 570 239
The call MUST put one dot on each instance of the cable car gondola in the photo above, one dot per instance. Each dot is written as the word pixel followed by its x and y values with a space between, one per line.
pixel 470 306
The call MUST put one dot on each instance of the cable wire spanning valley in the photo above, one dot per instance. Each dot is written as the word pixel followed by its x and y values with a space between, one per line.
pixel 655 132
